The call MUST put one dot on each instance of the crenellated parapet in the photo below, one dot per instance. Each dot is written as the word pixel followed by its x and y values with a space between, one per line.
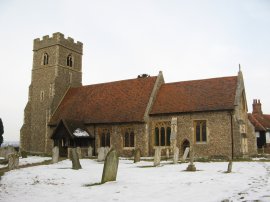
pixel 58 39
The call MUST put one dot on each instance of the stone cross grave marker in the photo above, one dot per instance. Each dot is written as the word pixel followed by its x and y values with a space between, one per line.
pixel 13 161
pixel 137 155
pixel 185 154
pixel 175 155
pixel 55 154
pixel 157 156
pixel 110 167
pixel 229 169
pixel 191 166
pixel 90 152
pixel 75 159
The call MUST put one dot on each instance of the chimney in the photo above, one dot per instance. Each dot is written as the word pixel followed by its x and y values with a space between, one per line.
pixel 257 107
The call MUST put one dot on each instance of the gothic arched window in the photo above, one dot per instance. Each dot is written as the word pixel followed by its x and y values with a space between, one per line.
pixel 69 60
pixel 45 59
pixel 162 133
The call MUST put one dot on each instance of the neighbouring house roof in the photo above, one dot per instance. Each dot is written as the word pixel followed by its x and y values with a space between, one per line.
pixel 196 96
pixel 261 122
pixel 114 102
pixel 75 129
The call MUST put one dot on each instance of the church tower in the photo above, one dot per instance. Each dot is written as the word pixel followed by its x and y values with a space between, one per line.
pixel 57 66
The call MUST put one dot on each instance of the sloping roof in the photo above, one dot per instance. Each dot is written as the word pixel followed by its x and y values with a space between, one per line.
pixel 261 122
pixel 71 126
pixel 114 102
pixel 196 96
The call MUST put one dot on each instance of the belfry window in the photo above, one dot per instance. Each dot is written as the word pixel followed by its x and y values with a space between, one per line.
pixel 162 134
pixel 69 61
pixel 45 59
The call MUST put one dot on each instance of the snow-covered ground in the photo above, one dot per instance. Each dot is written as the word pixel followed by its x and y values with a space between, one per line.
pixel 29 160
pixel 138 182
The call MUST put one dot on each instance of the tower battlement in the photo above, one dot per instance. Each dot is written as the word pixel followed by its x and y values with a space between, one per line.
pixel 57 39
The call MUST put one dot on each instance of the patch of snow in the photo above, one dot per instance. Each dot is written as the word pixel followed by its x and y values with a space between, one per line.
pixel 29 160
pixel 138 182
pixel 80 133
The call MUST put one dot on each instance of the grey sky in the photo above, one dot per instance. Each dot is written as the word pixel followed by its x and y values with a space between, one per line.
pixel 187 40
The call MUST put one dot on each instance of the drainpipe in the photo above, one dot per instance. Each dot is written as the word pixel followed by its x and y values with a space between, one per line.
pixel 231 113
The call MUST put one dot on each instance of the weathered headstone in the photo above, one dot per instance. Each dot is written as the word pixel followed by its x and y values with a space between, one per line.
pixel 175 155
pixel 75 159
pixel 90 152
pixel 110 167
pixel 55 154
pixel 13 161
pixel 79 152
pixel 185 154
pixel 24 154
pixel 157 156
pixel 137 155
pixel 9 150
pixel 167 154
pixel 229 170
pixel 101 154
pixel 191 166
pixel 106 151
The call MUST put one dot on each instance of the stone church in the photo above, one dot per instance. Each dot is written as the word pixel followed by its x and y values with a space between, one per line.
pixel 210 115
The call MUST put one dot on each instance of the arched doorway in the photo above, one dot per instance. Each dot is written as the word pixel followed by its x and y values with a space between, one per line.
pixel 185 144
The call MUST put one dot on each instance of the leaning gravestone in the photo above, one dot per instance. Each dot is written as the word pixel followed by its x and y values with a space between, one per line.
pixel 75 159
pixel 110 167
pixel 185 154
pixel 55 154
pixel 13 161
pixel 157 156
pixel 101 154
pixel 175 155
pixel 137 155
pixel 106 151
pixel 90 152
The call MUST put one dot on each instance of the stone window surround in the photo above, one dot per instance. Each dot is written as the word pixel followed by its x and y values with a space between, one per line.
pixel 45 59
pixel 166 124
pixel 194 132
pixel 124 129
pixel 100 132
pixel 70 60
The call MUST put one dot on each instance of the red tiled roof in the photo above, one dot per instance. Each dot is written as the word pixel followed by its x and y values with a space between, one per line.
pixel 114 102
pixel 196 96
pixel 261 122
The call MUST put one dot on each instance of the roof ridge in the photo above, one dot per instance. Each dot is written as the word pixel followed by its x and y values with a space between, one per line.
pixel 187 81
pixel 112 82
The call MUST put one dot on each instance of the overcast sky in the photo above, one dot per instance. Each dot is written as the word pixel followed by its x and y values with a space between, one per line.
pixel 187 40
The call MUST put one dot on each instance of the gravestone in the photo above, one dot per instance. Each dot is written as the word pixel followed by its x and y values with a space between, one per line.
pixel 185 154
pixel 13 161
pixel 106 151
pixel 167 154
pixel 55 154
pixel 9 150
pixel 157 156
pixel 24 154
pixel 175 155
pixel 110 167
pixel 79 152
pixel 101 154
pixel 191 166
pixel 229 169
pixel 75 159
pixel 137 155
pixel 90 152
